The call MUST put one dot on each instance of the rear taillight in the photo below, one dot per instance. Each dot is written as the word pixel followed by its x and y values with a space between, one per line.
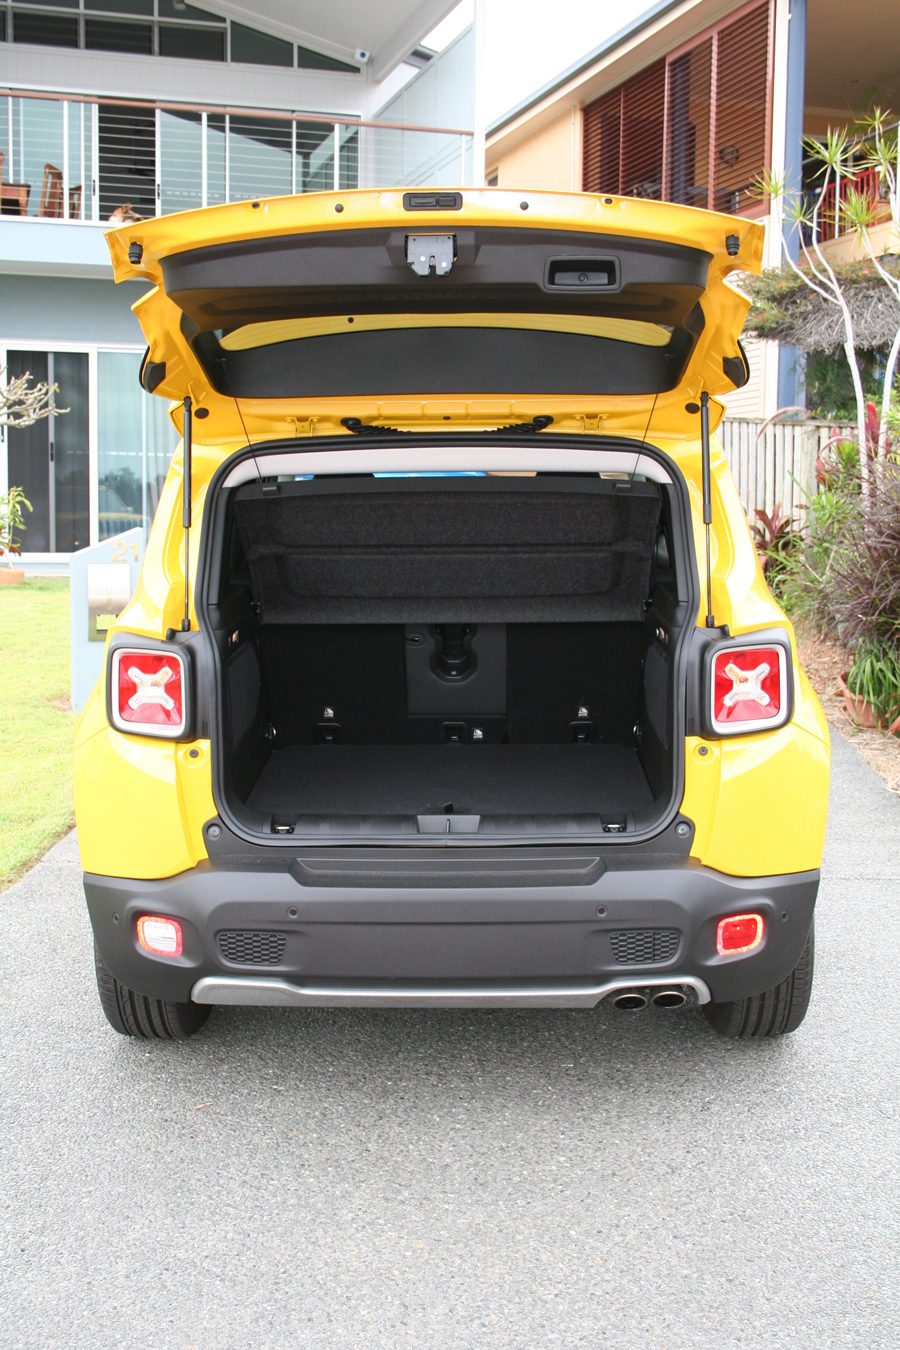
pixel 159 936
pixel 739 933
pixel 749 688
pixel 148 692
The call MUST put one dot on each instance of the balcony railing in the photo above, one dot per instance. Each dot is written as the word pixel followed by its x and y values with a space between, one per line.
pixel 832 219
pixel 78 158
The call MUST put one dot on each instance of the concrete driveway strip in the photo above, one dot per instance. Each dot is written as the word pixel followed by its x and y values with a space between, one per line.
pixel 390 1179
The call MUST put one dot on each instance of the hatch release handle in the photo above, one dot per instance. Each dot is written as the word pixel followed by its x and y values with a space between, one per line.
pixel 427 253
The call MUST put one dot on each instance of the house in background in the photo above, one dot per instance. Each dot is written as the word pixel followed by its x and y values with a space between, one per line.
pixel 160 106
pixel 691 103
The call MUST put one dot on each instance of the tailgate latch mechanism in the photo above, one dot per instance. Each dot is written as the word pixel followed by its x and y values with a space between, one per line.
pixel 427 253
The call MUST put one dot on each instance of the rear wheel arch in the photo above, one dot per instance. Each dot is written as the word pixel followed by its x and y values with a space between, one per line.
pixel 133 1014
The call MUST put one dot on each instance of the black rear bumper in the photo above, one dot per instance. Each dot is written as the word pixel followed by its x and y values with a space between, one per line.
pixel 389 926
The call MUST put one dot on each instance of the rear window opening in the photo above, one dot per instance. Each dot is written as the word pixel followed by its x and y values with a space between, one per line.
pixel 482 657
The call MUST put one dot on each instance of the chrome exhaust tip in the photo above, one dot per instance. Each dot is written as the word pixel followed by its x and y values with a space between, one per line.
pixel 669 998
pixel 630 1000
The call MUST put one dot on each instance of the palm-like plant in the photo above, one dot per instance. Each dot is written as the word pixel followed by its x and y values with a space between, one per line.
pixel 846 159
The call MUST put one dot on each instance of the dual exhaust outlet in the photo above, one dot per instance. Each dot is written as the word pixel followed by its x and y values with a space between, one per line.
pixel 632 1000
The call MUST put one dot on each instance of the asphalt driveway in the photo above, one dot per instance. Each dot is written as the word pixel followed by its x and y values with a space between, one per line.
pixel 521 1179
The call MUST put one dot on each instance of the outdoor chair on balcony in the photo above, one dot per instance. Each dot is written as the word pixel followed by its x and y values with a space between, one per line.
pixel 13 196
pixel 51 203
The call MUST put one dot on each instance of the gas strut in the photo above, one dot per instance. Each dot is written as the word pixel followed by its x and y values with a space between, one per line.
pixel 186 513
pixel 707 501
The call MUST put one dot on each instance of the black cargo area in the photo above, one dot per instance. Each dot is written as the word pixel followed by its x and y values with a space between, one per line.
pixel 451 656
pixel 509 780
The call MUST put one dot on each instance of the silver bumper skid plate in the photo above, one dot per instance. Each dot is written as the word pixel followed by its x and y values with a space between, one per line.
pixel 244 991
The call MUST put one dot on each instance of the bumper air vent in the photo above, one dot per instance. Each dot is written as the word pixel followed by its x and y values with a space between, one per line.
pixel 252 947
pixel 644 946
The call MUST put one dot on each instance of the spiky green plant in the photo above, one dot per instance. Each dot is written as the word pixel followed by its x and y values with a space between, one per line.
pixel 842 156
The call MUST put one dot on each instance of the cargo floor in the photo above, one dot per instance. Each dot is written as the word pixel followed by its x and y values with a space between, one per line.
pixel 357 780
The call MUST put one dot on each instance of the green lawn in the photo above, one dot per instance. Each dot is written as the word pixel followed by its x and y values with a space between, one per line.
pixel 36 725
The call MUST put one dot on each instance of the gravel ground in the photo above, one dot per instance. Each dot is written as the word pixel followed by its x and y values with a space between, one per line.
pixel 390 1179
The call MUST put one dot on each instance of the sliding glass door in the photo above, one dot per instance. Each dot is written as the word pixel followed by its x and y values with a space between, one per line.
pixel 135 440
pixel 49 459
pixel 97 468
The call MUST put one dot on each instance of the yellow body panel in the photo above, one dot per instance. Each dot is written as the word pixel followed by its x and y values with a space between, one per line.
pixel 140 803
pixel 758 801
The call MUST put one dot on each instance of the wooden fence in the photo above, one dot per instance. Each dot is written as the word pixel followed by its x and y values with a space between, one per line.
pixel 780 464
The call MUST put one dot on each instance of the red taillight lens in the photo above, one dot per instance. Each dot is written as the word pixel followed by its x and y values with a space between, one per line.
pixel 749 689
pixel 149 692
pixel 161 937
pixel 739 933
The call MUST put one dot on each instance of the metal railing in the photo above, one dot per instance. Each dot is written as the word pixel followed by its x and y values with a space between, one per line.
pixel 835 205
pixel 832 219
pixel 65 157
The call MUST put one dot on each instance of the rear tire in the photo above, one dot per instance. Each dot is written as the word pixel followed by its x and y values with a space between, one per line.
pixel 133 1014
pixel 773 1013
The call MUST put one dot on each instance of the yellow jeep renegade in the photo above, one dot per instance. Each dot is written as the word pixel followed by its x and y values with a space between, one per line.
pixel 451 679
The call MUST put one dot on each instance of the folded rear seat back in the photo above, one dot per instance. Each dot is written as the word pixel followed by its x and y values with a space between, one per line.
pixel 470 550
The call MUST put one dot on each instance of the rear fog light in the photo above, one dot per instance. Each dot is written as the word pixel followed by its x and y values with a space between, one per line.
pixel 739 933
pixel 159 936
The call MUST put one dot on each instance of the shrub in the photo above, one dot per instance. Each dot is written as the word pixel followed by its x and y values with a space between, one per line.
pixel 866 571
pixel 777 539
pixel 875 676
pixel 807 583
pixel 13 504
pixel 845 579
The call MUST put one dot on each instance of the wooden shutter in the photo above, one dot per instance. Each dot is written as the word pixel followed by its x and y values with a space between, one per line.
pixel 691 128
pixel 690 108
pixel 643 111
pixel 623 137
pixel 602 143
pixel 742 85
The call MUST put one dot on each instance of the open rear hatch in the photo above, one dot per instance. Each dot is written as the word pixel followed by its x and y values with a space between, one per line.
pixel 304 312
pixel 487 657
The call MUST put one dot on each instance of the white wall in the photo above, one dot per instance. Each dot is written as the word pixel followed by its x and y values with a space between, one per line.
pixel 443 92
pixel 750 400
pixel 44 310
pixel 441 95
